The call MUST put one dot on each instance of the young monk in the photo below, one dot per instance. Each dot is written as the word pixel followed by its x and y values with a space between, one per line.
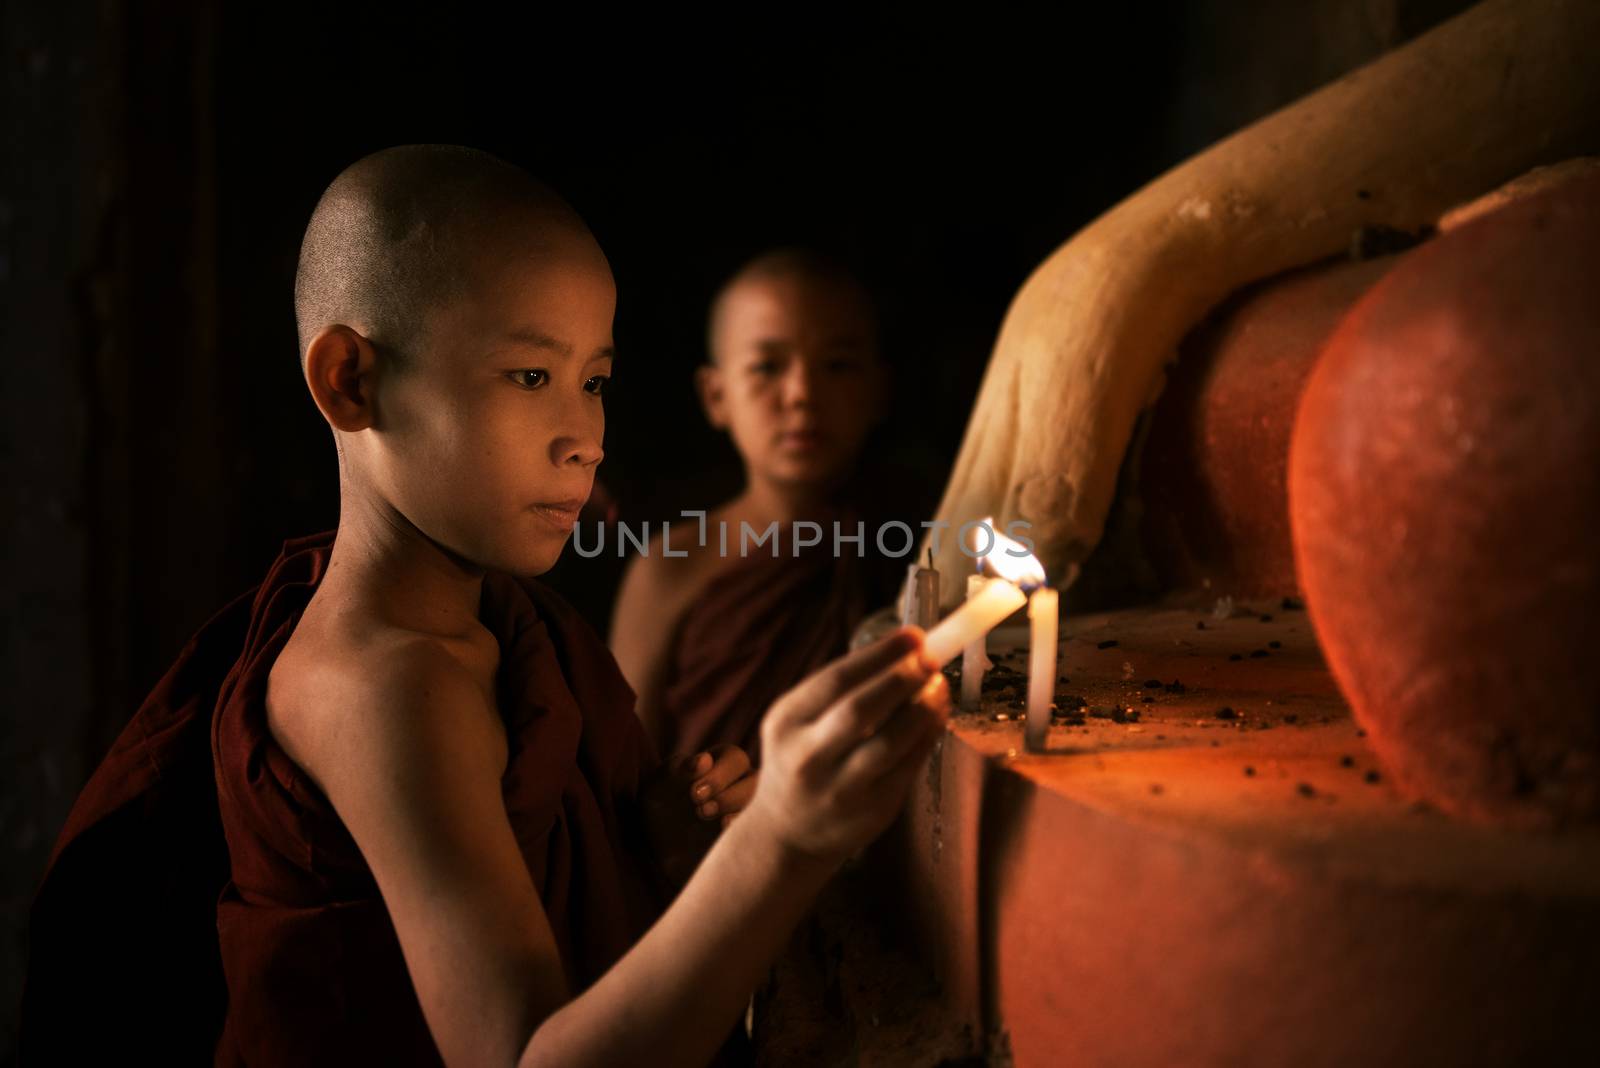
pixel 427 769
pixel 710 639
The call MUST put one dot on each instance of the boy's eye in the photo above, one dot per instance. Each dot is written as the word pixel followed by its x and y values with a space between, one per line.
pixel 764 367
pixel 597 384
pixel 529 379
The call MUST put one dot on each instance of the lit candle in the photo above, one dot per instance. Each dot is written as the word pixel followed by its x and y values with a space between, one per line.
pixel 975 658
pixel 1043 606
pixel 1020 568
pixel 969 623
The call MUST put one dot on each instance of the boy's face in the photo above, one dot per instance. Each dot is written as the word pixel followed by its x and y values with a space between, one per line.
pixel 489 437
pixel 795 377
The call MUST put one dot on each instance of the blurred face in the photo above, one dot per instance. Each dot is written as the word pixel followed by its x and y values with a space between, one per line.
pixel 488 439
pixel 795 377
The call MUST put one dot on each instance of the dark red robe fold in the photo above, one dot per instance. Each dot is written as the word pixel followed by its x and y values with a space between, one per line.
pixel 122 954
pixel 170 875
pixel 760 627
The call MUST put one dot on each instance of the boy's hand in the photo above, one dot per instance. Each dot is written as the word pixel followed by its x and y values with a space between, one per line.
pixel 689 803
pixel 842 747
pixel 721 782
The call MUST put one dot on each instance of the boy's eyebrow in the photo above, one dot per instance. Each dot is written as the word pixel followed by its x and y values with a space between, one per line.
pixel 540 340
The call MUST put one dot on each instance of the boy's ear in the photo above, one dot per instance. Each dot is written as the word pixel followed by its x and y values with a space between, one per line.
pixel 341 369
pixel 708 382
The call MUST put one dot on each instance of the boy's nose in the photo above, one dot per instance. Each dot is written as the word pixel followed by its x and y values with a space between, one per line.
pixel 582 452
pixel 797 384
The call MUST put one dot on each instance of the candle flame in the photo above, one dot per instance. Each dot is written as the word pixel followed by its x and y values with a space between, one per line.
pixel 1010 560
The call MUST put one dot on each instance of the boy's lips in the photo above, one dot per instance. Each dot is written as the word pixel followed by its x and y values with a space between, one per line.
pixel 562 514
pixel 802 439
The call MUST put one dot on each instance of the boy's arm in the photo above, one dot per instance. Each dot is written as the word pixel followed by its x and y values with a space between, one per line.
pixel 842 749
pixel 415 770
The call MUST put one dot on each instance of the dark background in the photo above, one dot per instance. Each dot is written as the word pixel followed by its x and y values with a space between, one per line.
pixel 161 160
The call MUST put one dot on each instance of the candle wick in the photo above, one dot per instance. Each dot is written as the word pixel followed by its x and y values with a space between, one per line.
pixel 930 556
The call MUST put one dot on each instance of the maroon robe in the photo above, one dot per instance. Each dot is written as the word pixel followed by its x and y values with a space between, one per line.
pixel 182 863
pixel 758 628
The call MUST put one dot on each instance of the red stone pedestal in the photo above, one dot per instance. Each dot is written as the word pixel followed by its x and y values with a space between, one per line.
pixel 1203 887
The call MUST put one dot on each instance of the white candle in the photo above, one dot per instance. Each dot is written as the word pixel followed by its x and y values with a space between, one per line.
pixel 998 599
pixel 919 603
pixel 975 657
pixel 1043 607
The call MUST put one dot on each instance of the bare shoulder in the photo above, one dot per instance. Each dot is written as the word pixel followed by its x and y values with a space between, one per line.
pixel 400 732
pixel 674 560
pixel 677 562
pixel 657 587
pixel 383 701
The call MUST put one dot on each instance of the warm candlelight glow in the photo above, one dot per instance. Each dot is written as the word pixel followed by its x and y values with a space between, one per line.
pixel 1012 562
pixel 1016 567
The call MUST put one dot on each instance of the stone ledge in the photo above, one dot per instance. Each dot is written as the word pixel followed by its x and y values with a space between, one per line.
pixel 1135 897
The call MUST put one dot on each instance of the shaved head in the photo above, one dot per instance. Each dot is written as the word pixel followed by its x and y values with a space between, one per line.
pixel 805 265
pixel 402 231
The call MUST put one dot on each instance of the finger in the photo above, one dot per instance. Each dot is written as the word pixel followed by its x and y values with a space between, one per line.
pixel 814 694
pixel 737 796
pixel 935 695
pixel 729 764
pixel 870 760
pixel 904 731
pixel 864 709
pixel 689 768
pixel 728 802
pixel 913 761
